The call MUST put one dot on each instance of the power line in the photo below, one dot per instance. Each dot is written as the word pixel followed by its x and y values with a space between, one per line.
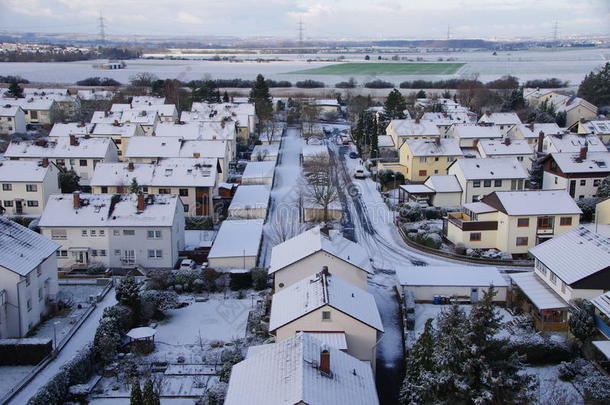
pixel 301 30
pixel 555 31
pixel 448 33
pixel 102 29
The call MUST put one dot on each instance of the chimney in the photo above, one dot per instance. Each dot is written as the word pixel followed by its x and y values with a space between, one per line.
pixel 45 162
pixel 130 166
pixel 582 120
pixel 507 141
pixel 437 141
pixel 73 140
pixel 530 126
pixel 115 123
pixel 417 120
pixel 325 270
pixel 583 151
pixel 196 154
pixel 325 361
pixel 76 200
pixel 540 141
pixel 141 204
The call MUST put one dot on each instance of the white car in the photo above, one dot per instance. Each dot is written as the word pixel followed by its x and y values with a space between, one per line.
pixel 187 264
pixel 359 173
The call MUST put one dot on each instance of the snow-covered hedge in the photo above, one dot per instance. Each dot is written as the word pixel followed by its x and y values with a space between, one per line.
pixel 594 385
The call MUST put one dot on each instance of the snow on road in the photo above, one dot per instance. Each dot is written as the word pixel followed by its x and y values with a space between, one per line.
pixel 83 336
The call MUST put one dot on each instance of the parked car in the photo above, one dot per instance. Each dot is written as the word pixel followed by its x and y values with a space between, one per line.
pixel 359 173
pixel 187 264
pixel 353 155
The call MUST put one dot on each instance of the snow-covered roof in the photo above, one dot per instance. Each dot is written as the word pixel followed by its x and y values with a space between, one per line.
pixel 237 238
pixel 122 130
pixel 320 290
pixel 603 346
pixel 163 110
pixel 171 172
pixel 417 189
pixel 385 141
pixel 220 110
pixel 327 102
pixel 598 127
pixel 22 171
pixel 143 332
pixel 61 130
pixel 142 117
pixel 447 118
pixel 250 197
pixel 95 210
pixel 314 150
pixel 85 148
pixel 450 276
pixel 22 250
pixel 409 127
pixel 479 207
pixel 258 170
pixel 120 107
pixel 40 91
pixel 170 147
pixel 500 168
pixel 265 151
pixel 506 147
pixel 501 118
pixel 571 143
pixel 30 103
pixel 533 202
pixel 602 303
pixel 472 131
pixel 95 94
pixel 107 117
pixel 434 147
pixel 312 241
pixel 9 111
pixel 546 128
pixel 332 339
pixel 147 100
pixel 538 291
pixel 208 130
pixel 288 373
pixel 444 184
pixel 575 254
pixel 595 162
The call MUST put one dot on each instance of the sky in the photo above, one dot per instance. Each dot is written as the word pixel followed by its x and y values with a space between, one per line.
pixel 321 19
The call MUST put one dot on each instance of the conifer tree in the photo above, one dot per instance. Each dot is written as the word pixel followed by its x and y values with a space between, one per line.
pixel 15 90
pixel 136 393
pixel 394 107
pixel 149 396
pixel 418 386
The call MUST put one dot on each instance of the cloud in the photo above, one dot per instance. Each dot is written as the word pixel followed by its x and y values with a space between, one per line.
pixel 187 18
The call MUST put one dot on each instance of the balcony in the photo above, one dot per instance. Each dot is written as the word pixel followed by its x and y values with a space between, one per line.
pixel 465 222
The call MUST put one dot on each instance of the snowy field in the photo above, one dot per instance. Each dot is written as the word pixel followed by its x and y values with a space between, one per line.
pixel 565 64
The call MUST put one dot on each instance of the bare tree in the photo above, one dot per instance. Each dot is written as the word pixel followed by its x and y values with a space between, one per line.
pixel 261 155
pixel 279 230
pixel 270 127
pixel 309 117
pixel 320 186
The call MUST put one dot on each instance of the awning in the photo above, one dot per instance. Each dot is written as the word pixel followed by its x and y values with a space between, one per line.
pixel 603 346
pixel 417 189
pixel 141 333
pixel 541 295
pixel 78 249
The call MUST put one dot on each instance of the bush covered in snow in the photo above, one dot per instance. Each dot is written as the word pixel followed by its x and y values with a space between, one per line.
pixel 127 292
pixel 153 303
pixel 431 240
pixel 259 278
pixel 587 206
pixel 594 385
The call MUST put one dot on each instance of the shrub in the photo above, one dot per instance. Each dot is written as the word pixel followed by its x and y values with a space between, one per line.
pixel 199 223
pixel 128 292
pixel 309 84
pixel 153 303
pixel 410 214
pixel 432 213
pixel 538 350
pixel 427 240
pixel 209 278
pixel 259 278
pixel 98 81
pixel 123 315
pixel 350 84
pixel 587 206
pixel 552 83
pixel 13 79
pixel 279 83
pixel 240 281
pixel 159 279
pixel 379 84
pixel 186 278
pixel 568 370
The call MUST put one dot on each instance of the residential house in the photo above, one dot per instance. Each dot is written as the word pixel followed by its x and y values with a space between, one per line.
pixel 301 370
pixel 142 101
pixel 166 112
pixel 265 152
pixel 575 264
pixel 115 231
pixel 68 106
pixel 243 115
pixel 401 130
pixel 572 143
pixel 78 154
pixel 312 251
pixel 250 202
pixel 327 107
pixel 469 135
pixel 504 121
pixel 427 157
pixel 12 120
pixel 194 180
pixel 601 303
pixel 121 134
pixel 512 221
pixel 26 186
pixel 38 111
pixel 575 108
pixel 533 132
pixel 579 174
pixel 507 148
pixel 147 119
pixel 437 191
pixel 479 177
pixel 326 303
pixel 462 283
pixel 28 278
pixel 601 128
pixel 237 244
pixel 202 131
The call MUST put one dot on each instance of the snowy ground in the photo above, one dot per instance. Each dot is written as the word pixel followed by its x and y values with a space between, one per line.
pixel 11 375
pixel 83 336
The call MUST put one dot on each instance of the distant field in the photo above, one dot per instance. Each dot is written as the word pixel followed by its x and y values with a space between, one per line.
pixel 375 68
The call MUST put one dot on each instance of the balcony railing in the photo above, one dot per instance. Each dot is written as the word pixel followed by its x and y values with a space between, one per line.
pixel 464 222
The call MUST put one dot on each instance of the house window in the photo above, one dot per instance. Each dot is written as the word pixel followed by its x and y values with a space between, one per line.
pixel 102 232
pixel 164 191
pixel 583 182
pixel 436 159
pixel 186 208
pixel 32 203
pixel 541 267
pixel 475 236
pixel 555 180
pixel 565 221
pixel 476 183
pixel 545 222
pixel 61 253
pixel 155 253
pixel 93 252
pixel 153 234
pixel 29 304
pixel 7 187
pixel 487 183
pixel 102 252
pixel 31 187
pixel 563 287
pixel 104 190
pixel 184 192
pixel 422 159
pixel 326 316
pixel 117 252
pixel 59 234
pixel 128 232
pixel 497 183
pixel 553 278
pixel 423 172
pixel 116 232
pixel 82 162
pixel 521 241
pixel 520 158
pixel 93 232
pixel 83 232
pixel 475 198
pixel 523 222
pixel 8 203
pixel 596 182
pixel 40 294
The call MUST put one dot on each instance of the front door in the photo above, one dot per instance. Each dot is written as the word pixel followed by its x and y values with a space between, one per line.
pixel 129 257
pixel 572 188
pixel 18 207
pixel 202 202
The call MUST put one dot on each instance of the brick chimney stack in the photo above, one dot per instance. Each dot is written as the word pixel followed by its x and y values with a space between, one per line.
pixel 583 151
pixel 45 162
pixel 540 141
pixel 506 141
pixel 325 361
pixel 141 205
pixel 130 166
pixel 73 141
pixel 76 200
pixel 437 141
